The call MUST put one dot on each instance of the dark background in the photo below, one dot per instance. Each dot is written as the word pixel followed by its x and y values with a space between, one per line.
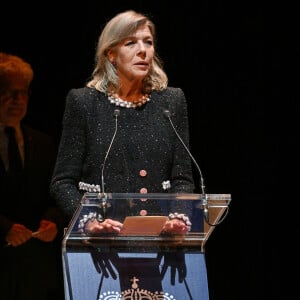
pixel 230 59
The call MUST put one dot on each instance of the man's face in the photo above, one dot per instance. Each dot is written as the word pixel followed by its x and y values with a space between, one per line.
pixel 14 101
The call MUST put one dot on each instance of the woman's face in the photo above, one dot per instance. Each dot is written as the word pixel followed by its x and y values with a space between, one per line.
pixel 134 55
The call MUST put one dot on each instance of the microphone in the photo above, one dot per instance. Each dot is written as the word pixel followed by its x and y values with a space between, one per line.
pixel 116 115
pixel 204 195
pixel 168 115
pixel 116 112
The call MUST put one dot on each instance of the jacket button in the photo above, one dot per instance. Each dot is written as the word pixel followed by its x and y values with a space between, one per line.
pixel 143 191
pixel 143 173
pixel 143 212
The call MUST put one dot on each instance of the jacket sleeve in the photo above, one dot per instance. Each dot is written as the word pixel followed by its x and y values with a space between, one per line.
pixel 182 174
pixel 67 171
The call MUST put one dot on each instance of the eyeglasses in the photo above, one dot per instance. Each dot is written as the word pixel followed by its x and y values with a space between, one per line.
pixel 14 94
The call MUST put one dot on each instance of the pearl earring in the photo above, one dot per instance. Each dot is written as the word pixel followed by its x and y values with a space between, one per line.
pixel 114 63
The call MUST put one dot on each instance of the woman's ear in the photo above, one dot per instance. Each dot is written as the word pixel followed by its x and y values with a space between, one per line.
pixel 110 55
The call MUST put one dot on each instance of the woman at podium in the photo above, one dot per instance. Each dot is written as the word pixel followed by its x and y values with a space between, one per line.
pixel 125 130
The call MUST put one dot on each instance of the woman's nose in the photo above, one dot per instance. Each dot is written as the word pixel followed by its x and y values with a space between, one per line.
pixel 142 47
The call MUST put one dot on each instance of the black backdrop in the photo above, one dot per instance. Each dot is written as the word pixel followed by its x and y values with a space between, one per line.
pixel 218 54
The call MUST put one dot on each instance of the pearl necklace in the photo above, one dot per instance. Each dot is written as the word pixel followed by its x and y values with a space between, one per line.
pixel 128 104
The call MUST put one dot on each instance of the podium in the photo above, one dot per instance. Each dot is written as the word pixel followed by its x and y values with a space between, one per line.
pixel 141 262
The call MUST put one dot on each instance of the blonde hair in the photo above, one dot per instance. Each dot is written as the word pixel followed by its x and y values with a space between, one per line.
pixel 12 66
pixel 104 76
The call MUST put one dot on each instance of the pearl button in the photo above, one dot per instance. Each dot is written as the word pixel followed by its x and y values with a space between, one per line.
pixel 143 173
pixel 143 191
pixel 143 212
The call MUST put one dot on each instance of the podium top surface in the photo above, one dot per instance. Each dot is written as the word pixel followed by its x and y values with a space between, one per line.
pixel 143 216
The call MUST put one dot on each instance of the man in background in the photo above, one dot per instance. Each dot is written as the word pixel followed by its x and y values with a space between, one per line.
pixel 30 223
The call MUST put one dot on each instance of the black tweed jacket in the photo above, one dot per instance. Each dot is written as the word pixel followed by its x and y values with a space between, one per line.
pixel 144 153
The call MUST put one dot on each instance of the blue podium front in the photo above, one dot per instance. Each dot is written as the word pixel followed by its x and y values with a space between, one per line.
pixel 141 263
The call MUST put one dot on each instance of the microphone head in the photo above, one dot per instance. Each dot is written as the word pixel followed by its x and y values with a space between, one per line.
pixel 116 112
pixel 167 113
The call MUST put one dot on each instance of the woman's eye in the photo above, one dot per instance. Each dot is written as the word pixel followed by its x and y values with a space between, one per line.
pixel 129 43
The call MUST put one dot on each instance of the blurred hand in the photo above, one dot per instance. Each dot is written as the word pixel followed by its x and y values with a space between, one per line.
pixel 104 263
pixel 107 226
pixel 176 263
pixel 46 232
pixel 18 235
